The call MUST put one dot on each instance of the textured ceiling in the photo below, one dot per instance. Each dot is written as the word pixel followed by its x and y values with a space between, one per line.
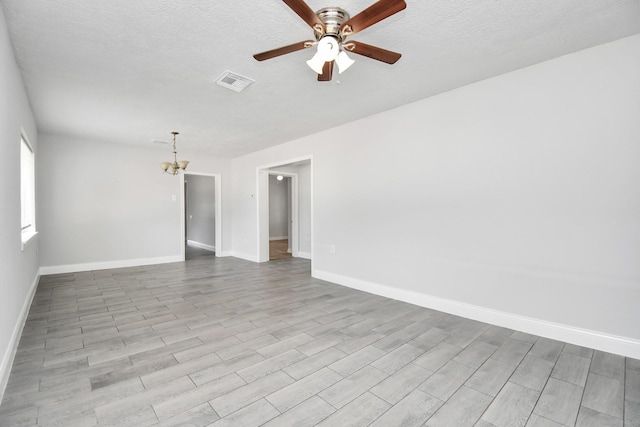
pixel 132 71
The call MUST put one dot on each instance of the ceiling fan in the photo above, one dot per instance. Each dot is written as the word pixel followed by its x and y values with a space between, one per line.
pixel 332 26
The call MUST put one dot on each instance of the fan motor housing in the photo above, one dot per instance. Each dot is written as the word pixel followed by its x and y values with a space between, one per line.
pixel 332 18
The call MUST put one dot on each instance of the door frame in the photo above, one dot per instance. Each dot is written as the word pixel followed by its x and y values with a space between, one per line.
pixel 262 179
pixel 217 182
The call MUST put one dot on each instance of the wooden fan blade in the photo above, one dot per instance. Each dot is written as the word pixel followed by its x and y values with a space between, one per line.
pixel 327 72
pixel 283 50
pixel 372 15
pixel 373 52
pixel 305 12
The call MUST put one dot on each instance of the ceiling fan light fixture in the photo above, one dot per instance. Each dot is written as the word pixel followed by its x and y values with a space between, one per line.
pixel 316 63
pixel 343 61
pixel 332 26
pixel 328 50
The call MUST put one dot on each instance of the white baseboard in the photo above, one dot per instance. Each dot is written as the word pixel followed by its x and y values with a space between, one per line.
pixel 201 245
pixel 587 338
pixel 279 238
pixel 72 268
pixel 224 253
pixel 7 359
pixel 305 255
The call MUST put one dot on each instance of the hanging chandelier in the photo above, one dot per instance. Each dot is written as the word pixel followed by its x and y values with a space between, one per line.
pixel 176 166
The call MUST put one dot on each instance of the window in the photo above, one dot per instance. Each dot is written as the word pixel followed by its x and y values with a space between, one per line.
pixel 27 191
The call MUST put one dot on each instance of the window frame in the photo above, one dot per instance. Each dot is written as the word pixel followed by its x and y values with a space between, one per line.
pixel 28 229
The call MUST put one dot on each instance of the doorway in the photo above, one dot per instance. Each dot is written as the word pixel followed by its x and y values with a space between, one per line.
pixel 280 216
pixel 298 211
pixel 201 216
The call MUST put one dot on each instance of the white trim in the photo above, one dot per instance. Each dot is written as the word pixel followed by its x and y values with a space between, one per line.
pixel 27 239
pixel 305 255
pixel 262 207
pixel 311 166
pixel 287 162
pixel 183 219
pixel 12 348
pixel 278 238
pixel 220 254
pixel 294 241
pixel 201 245
pixel 587 338
pixel 104 265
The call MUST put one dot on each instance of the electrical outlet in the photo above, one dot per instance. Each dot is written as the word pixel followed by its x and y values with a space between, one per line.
pixel 332 249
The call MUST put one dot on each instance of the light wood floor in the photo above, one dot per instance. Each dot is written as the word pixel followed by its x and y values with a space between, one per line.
pixel 225 342
pixel 278 249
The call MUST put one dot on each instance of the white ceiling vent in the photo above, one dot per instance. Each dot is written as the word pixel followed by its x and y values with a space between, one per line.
pixel 234 81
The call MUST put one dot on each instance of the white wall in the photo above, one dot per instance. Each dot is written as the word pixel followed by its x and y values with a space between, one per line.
pixel 18 269
pixel 515 199
pixel 278 208
pixel 106 205
pixel 201 211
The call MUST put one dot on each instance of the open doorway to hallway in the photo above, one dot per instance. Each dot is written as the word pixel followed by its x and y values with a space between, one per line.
pixel 280 216
pixel 284 210
pixel 201 225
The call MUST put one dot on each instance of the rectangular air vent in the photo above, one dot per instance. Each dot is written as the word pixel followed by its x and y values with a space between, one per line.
pixel 234 81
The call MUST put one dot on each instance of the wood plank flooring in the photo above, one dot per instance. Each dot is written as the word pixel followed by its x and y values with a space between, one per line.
pixel 278 249
pixel 226 342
